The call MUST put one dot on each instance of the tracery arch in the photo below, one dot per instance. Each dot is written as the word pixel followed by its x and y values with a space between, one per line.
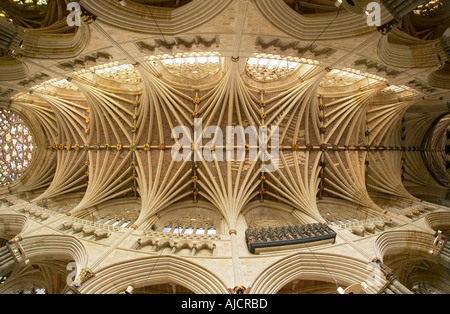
pixel 190 219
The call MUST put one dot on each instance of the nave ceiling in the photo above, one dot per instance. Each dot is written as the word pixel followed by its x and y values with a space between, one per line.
pixel 352 104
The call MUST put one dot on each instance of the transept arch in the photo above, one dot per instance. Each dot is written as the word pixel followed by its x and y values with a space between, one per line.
pixel 45 262
pixel 416 259
pixel 320 267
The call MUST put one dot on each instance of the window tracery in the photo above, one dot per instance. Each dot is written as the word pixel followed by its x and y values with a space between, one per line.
pixel 190 225
pixel 120 219
pixel 341 78
pixel 17 145
pixel 62 84
pixel 269 68
pixel 121 73
pixel 357 74
pixel 350 76
pixel 193 66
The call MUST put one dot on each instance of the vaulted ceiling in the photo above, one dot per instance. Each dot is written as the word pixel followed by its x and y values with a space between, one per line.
pixel 361 112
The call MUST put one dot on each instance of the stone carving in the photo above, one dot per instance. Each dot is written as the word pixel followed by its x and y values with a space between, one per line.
pixel 67 225
pixel 101 234
pixel 370 227
pixel 380 225
pixel 88 231
pixel 266 223
pixel 358 230
pixel 178 44
pixel 194 221
pixel 176 244
pixel 293 48
pixel 373 67
pixel 421 86
pixel 86 61
pixel 78 228
pixel 35 80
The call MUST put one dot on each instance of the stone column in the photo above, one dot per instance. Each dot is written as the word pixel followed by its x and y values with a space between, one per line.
pixel 237 272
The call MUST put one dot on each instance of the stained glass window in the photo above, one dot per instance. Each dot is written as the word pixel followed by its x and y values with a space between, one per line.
pixel 17 146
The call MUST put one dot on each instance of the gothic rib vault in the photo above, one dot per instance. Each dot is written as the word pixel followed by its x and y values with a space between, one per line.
pixel 363 122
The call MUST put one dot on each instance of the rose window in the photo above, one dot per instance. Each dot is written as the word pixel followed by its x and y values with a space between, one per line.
pixel 17 146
